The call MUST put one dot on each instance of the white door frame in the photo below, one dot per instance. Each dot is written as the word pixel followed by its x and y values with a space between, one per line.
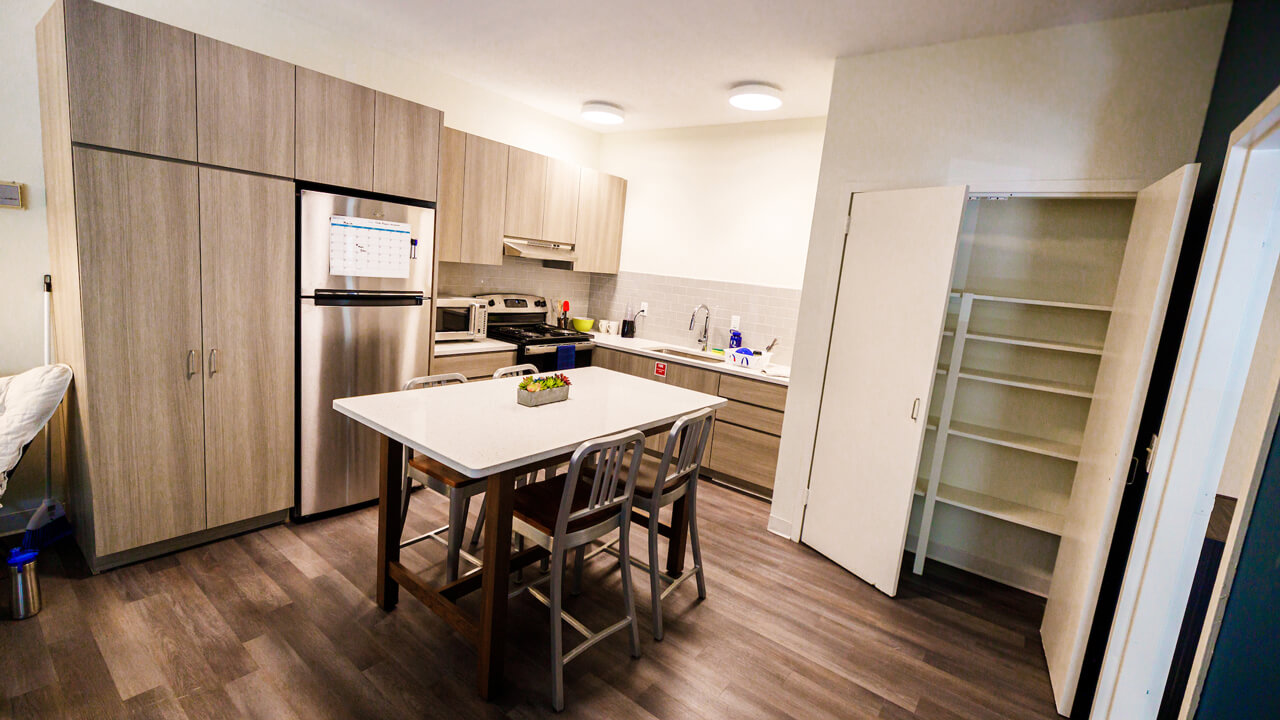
pixel 1199 421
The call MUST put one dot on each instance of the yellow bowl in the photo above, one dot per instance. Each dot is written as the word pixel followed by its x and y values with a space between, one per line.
pixel 583 324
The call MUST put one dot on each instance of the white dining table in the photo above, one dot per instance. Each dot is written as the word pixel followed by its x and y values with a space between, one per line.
pixel 475 430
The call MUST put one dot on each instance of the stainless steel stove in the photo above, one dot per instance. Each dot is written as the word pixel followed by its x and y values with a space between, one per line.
pixel 522 321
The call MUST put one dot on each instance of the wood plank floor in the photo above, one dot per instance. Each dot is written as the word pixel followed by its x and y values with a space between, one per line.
pixel 280 624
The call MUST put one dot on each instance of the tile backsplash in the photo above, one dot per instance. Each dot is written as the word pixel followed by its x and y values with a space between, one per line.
pixel 518 275
pixel 766 312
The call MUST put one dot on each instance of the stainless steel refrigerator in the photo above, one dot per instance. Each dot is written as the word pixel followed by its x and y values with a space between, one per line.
pixel 364 326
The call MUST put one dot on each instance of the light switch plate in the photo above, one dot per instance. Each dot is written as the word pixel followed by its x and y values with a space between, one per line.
pixel 11 196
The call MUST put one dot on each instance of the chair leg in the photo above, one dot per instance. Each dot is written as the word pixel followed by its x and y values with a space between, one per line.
pixel 579 559
pixel 475 534
pixel 628 595
pixel 697 548
pixel 557 630
pixel 655 582
pixel 457 529
pixel 406 484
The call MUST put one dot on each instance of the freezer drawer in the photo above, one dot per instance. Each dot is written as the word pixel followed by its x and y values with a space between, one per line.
pixel 347 350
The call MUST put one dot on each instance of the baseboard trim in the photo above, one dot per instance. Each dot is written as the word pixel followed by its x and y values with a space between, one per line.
pixel 780 526
pixel 164 547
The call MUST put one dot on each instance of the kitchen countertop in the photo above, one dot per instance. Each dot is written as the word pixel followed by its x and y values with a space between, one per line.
pixel 472 347
pixel 778 374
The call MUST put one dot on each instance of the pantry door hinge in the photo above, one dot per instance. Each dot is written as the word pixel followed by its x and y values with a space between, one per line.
pixel 1151 452
pixel 804 499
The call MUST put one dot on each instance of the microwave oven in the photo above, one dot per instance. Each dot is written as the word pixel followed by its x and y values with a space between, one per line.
pixel 460 318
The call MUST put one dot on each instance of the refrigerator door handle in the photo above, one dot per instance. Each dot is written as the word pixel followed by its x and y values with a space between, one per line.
pixel 343 298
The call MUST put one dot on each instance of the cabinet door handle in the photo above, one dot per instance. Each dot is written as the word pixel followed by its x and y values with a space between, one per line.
pixel 915 409
pixel 191 363
pixel 213 359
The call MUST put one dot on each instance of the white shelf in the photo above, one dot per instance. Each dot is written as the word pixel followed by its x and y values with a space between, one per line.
pixel 942 370
pixel 991 506
pixel 931 422
pixel 1017 441
pixel 1041 303
pixel 1029 383
pixel 1061 345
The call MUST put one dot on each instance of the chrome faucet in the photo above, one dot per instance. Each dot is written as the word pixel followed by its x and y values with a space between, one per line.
pixel 706 324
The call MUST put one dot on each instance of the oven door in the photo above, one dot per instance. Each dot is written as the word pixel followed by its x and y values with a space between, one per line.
pixel 544 357
pixel 459 320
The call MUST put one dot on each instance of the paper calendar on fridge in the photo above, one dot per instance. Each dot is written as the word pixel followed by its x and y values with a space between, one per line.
pixel 368 248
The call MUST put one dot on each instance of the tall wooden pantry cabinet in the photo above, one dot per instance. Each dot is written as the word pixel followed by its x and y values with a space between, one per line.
pixel 988 365
pixel 172 282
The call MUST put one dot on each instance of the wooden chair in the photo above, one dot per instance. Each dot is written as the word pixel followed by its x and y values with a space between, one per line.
pixel 570 511
pixel 661 482
pixel 459 494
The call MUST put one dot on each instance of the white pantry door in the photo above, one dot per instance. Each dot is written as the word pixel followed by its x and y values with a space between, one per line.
pixel 890 308
pixel 1107 451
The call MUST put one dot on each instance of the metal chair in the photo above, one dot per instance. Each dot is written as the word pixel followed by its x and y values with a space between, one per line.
pixel 570 511
pixel 514 370
pixel 660 483
pixel 459 494
pixel 509 371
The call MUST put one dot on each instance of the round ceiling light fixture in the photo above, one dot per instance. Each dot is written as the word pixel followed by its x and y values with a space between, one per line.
pixel 755 96
pixel 602 113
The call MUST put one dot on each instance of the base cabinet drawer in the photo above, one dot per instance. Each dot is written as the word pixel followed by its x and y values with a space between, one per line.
pixel 745 454
pixel 754 392
pixel 477 366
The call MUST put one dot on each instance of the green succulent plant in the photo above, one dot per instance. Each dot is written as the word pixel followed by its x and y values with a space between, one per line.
pixel 546 382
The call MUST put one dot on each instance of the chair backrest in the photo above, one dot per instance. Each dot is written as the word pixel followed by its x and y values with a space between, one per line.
pixel 435 380
pixel 514 370
pixel 604 460
pixel 686 443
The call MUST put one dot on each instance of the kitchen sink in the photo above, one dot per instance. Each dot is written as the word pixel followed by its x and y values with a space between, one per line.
pixel 690 354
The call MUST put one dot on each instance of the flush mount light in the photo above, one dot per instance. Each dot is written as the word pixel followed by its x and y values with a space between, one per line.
pixel 602 112
pixel 755 96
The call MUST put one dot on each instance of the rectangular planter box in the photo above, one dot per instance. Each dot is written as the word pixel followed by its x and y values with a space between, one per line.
pixel 542 397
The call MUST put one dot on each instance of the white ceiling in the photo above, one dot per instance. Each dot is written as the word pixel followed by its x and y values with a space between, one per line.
pixel 670 63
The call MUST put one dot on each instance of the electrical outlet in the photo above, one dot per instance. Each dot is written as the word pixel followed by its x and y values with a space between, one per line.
pixel 644 307
pixel 735 322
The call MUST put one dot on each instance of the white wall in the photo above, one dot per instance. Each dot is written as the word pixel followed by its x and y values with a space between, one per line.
pixel 24 255
pixel 1122 99
pixel 722 202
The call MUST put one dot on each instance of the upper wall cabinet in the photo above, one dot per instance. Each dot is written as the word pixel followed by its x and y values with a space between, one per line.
pixel 244 106
pixel 484 195
pixel 406 144
pixel 131 81
pixel 453 155
pixel 560 206
pixel 526 194
pixel 335 121
pixel 601 203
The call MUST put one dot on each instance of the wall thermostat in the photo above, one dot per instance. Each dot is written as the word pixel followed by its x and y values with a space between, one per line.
pixel 11 195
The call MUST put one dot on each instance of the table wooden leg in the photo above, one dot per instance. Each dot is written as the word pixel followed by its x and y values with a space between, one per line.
pixel 679 535
pixel 392 456
pixel 497 563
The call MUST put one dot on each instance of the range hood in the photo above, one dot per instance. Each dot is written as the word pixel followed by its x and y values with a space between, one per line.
pixel 559 253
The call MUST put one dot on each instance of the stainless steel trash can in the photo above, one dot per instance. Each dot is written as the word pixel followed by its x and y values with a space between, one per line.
pixel 24 585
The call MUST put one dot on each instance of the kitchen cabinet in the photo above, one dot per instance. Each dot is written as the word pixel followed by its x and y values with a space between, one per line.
pixel 560 209
pixel 601 204
pixel 453 153
pixel 406 147
pixel 131 81
pixel 526 194
pixel 334 131
pixel 244 109
pixel 137 222
pixel 744 454
pixel 484 196
pixel 246 300
pixel 475 366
